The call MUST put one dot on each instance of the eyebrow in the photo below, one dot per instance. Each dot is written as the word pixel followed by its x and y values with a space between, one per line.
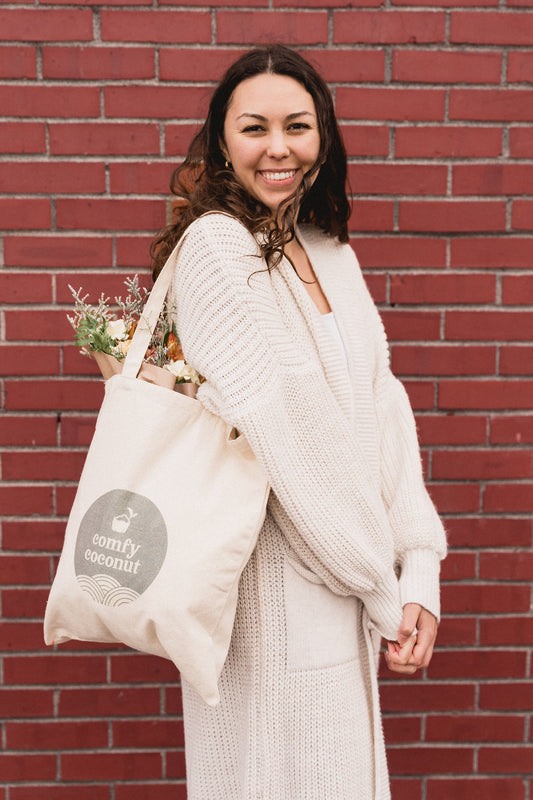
pixel 288 117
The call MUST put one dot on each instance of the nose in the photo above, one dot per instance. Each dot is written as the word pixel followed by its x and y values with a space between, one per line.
pixel 277 145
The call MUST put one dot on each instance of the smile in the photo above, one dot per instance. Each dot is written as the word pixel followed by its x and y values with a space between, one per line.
pixel 279 176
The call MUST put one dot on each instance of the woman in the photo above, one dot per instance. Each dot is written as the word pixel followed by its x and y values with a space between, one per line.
pixel 273 310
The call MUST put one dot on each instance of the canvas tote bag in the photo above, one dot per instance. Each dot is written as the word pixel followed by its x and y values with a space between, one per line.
pixel 166 515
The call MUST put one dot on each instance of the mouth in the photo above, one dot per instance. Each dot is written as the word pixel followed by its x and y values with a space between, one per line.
pixel 279 176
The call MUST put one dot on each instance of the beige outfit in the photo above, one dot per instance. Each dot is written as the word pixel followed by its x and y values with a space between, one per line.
pixel 348 511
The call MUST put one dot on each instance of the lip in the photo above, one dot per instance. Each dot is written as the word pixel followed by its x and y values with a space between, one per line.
pixel 267 176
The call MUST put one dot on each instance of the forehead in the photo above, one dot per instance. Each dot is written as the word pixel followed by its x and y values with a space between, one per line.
pixel 270 95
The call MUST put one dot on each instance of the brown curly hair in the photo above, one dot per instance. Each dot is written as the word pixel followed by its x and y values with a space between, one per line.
pixel 206 183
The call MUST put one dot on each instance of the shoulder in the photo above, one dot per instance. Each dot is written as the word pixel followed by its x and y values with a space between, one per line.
pixel 335 260
pixel 316 237
pixel 216 251
pixel 220 232
pixel 325 246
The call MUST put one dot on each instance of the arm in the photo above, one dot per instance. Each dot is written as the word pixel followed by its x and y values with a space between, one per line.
pixel 419 538
pixel 258 380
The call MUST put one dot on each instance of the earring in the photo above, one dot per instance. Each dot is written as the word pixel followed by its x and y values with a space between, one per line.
pixel 227 164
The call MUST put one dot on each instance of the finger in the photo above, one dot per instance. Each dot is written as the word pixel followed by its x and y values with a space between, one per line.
pixel 411 612
pixel 409 654
pixel 422 657
pixel 427 634
pixel 402 670
pixel 395 666
pixel 422 652
pixel 401 655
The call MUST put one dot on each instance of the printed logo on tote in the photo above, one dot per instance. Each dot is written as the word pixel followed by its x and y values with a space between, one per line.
pixel 121 546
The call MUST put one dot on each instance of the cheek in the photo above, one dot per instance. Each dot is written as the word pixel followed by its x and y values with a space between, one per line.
pixel 246 156
pixel 316 148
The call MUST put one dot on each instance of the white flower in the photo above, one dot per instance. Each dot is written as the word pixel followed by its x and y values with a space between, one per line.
pixel 183 371
pixel 123 347
pixel 190 374
pixel 116 329
pixel 175 367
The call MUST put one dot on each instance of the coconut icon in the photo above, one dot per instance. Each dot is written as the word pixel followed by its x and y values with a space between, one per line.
pixel 121 523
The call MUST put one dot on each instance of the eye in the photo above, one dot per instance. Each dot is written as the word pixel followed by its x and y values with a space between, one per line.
pixel 253 129
pixel 299 126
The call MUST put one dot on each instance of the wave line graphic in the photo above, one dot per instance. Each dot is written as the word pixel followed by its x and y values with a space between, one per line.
pixel 106 590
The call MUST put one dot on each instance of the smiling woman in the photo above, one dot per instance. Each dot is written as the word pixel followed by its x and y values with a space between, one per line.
pixel 207 181
pixel 273 310
pixel 269 145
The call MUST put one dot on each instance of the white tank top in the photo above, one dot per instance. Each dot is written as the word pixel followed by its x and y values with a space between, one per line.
pixel 331 323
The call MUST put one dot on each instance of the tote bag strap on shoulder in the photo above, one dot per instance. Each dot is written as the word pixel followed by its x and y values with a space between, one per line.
pixel 152 310
pixel 148 320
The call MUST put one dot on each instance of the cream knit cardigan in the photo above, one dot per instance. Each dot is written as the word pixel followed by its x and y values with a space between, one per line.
pixel 340 448
pixel 338 442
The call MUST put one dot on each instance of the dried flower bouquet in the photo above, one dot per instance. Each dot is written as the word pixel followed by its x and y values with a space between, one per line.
pixel 106 338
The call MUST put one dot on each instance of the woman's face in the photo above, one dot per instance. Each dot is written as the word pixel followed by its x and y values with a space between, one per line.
pixel 271 136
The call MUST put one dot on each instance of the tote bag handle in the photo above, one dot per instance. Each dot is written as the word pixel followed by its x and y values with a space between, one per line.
pixel 147 322
pixel 150 315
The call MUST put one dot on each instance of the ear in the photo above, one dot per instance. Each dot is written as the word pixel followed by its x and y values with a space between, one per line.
pixel 223 148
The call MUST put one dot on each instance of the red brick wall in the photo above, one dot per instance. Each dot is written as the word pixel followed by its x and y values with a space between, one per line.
pixel 436 103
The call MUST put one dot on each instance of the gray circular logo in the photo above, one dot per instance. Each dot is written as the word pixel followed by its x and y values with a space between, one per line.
pixel 121 546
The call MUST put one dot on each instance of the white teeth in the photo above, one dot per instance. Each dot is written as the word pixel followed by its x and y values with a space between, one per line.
pixel 279 176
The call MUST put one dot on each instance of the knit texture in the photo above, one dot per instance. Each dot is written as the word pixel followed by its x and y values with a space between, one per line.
pixel 348 511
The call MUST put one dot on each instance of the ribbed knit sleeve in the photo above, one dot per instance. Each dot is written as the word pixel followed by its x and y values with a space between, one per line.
pixel 419 537
pixel 260 381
